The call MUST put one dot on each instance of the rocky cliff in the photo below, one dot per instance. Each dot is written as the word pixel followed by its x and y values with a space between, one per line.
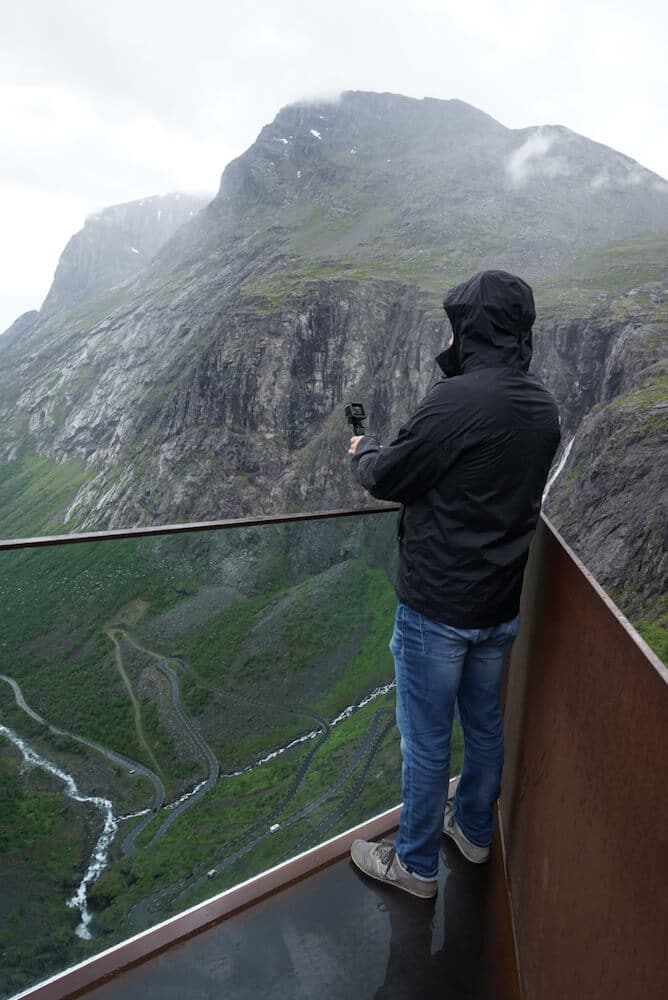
pixel 610 500
pixel 114 245
pixel 211 383
pixel 607 362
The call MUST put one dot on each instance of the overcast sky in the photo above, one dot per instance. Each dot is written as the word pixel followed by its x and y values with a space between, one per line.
pixel 106 102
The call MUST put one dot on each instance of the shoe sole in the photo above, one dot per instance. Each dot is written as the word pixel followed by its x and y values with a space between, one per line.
pixel 394 885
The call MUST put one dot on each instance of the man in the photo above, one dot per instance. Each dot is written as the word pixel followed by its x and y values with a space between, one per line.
pixel 469 468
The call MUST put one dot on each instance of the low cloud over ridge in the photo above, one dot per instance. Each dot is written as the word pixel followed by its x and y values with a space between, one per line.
pixel 533 158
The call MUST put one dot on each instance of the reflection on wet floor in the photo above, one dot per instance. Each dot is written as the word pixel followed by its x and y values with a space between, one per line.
pixel 336 935
pixel 436 950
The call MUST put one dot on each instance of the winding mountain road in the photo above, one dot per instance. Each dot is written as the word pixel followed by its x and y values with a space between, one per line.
pixel 131 766
pixel 239 846
pixel 202 745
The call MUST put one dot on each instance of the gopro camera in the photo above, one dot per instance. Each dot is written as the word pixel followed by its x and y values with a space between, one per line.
pixel 355 415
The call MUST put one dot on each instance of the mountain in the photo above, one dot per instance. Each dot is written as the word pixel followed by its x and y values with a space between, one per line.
pixel 19 327
pixel 114 245
pixel 210 382
pixel 379 173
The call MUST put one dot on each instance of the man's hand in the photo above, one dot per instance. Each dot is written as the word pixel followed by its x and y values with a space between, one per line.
pixel 354 441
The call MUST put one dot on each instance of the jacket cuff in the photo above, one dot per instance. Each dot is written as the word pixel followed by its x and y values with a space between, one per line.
pixel 367 446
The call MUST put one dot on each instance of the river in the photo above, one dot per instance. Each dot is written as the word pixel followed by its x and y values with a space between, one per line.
pixel 100 856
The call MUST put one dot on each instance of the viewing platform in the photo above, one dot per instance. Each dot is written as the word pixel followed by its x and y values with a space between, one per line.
pixel 573 904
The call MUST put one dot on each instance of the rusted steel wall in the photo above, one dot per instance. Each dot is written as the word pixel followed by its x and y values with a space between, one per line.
pixel 584 805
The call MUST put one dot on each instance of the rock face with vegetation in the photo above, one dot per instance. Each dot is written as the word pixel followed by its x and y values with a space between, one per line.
pixel 209 380
pixel 603 349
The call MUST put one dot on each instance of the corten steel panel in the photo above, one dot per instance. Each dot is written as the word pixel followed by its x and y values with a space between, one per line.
pixel 584 802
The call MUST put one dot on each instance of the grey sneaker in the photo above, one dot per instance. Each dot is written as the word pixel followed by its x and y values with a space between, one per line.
pixel 381 862
pixel 470 851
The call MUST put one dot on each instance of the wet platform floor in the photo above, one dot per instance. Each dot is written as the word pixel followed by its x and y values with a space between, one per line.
pixel 337 934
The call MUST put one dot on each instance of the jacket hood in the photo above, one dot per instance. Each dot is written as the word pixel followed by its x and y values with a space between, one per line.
pixel 491 316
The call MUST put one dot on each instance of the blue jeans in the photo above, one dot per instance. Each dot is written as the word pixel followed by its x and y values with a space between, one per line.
pixel 437 666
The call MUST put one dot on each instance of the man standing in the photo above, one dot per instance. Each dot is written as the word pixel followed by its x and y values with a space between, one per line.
pixel 469 468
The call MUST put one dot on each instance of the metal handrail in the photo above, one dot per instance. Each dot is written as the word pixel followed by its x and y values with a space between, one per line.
pixel 8 544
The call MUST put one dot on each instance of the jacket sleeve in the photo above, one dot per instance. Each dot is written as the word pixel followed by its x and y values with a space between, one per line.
pixel 405 469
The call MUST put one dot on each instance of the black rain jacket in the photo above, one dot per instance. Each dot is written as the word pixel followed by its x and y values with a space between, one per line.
pixel 470 465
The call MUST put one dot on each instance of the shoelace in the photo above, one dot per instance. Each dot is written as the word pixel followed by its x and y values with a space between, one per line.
pixel 385 852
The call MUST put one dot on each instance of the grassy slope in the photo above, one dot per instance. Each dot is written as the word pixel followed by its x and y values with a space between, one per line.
pixel 35 492
pixel 611 270
pixel 655 632
pixel 57 603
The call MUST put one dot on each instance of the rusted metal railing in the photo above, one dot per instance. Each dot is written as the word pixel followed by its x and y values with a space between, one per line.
pixel 584 806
